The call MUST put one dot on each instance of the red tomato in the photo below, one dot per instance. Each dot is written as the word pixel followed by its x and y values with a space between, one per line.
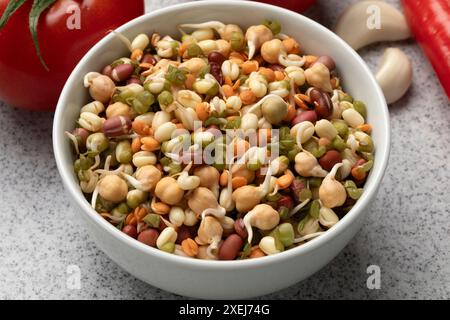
pixel 294 5
pixel 24 82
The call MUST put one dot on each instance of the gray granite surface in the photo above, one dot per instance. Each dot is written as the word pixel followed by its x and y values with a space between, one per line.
pixel 407 231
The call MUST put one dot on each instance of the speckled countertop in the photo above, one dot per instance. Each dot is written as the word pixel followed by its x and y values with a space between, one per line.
pixel 406 233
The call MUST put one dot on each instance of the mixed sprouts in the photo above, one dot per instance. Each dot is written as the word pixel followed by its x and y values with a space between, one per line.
pixel 225 144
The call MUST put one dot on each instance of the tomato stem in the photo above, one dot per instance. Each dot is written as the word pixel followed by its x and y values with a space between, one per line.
pixel 9 11
pixel 38 7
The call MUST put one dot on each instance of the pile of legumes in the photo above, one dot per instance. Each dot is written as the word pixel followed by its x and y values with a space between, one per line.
pixel 226 144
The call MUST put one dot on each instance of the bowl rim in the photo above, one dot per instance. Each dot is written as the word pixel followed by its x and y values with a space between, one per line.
pixel 313 244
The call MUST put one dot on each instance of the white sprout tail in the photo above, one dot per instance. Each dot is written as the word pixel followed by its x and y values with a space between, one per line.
pixel 74 140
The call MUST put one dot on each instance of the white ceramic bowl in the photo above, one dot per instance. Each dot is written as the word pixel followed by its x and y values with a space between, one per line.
pixel 224 279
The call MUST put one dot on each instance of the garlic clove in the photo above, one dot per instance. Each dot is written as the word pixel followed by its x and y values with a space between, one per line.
pixel 367 22
pixel 394 74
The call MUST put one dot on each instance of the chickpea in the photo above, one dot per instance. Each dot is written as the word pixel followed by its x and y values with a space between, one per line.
pixel 331 192
pixel 271 50
pixel 209 178
pixel 101 87
pixel 112 188
pixel 168 190
pixel 256 36
pixel 263 217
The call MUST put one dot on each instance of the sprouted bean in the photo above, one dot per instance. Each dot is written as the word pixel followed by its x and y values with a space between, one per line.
pixel 221 144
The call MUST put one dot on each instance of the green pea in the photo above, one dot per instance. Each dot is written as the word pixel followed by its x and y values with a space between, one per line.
pixel 287 143
pixel 77 165
pixel 341 127
pixel 174 168
pixel 310 145
pixel 111 151
pixel 315 182
pixel 237 41
pixel 315 209
pixel 338 143
pixel 350 184
pixel 242 78
pixel 278 244
pixel 273 25
pixel 366 144
pixel 165 98
pixel 106 206
pixel 366 167
pixel 83 163
pixel 175 76
pixel 246 250
pixel 213 120
pixel 345 97
pixel 354 193
pixel 213 90
pixel 83 175
pixel 168 247
pixel 121 210
pixel 292 153
pixel 97 142
pixel 360 107
pixel 204 71
pixel 152 219
pixel 273 197
pixel 124 154
pixel 165 161
pixel 233 124
pixel 367 155
pixel 135 198
pixel 320 151
pixel 352 190
pixel 301 224
pixel 305 194
pixel 194 50
pixel 174 45
pixel 286 234
pixel 143 102
pixel 284 213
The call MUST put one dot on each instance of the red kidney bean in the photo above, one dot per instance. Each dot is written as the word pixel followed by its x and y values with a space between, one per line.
pixel 116 126
pixel 216 57
pixel 148 58
pixel 359 162
pixel 240 228
pixel 309 115
pixel 327 61
pixel 285 201
pixel 230 247
pixel 216 71
pixel 107 71
pixel 149 237
pixel 276 67
pixel 130 230
pixel 183 232
pixel 296 187
pixel 322 103
pixel 329 159
pixel 162 225
pixel 134 80
pixel 81 134
pixel 122 72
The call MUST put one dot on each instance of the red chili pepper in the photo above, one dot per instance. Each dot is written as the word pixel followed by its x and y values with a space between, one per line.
pixel 430 23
